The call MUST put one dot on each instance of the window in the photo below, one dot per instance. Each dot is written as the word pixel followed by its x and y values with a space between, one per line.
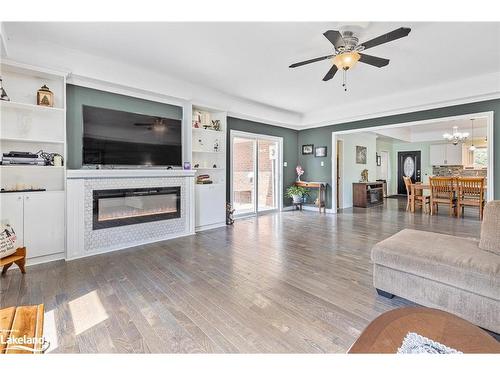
pixel 480 157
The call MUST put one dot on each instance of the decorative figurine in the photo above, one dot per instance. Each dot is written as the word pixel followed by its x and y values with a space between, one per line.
pixel 214 166
pixel 216 125
pixel 196 166
pixel 216 145
pixel 45 97
pixel 299 171
pixel 229 214
pixel 364 175
pixel 3 94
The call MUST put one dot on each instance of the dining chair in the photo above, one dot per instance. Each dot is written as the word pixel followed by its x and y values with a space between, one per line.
pixel 417 197
pixel 443 192
pixel 471 193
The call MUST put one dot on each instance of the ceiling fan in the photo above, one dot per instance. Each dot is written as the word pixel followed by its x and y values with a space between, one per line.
pixel 347 51
pixel 158 124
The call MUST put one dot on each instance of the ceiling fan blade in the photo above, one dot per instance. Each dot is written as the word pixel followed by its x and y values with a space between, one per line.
pixel 379 62
pixel 335 37
pixel 330 73
pixel 389 37
pixel 310 61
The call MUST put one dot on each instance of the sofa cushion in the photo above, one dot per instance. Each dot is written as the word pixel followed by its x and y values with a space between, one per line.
pixel 490 228
pixel 448 259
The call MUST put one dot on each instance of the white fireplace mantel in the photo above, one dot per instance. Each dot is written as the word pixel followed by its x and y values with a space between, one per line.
pixel 83 240
pixel 127 173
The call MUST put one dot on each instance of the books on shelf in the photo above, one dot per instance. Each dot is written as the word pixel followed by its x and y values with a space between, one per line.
pixel 203 179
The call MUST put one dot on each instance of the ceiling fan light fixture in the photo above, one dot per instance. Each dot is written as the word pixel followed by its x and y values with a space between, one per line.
pixel 346 60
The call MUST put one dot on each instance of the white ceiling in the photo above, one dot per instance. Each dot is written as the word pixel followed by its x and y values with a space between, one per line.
pixel 250 60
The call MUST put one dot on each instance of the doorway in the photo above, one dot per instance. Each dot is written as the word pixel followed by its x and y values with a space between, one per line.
pixel 339 161
pixel 408 166
pixel 256 175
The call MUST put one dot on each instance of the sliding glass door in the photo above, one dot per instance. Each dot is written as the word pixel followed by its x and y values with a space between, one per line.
pixel 255 173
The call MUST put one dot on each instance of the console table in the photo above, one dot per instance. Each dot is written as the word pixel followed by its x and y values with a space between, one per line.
pixel 321 187
pixel 367 194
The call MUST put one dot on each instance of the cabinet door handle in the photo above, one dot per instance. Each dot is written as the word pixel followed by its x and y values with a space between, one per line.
pixel 19 198
pixel 27 198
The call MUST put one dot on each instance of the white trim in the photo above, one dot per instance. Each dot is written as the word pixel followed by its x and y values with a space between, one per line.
pixel 127 173
pixel 210 226
pixel 490 130
pixel 257 136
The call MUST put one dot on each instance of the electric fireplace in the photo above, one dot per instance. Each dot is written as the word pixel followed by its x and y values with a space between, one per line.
pixel 117 207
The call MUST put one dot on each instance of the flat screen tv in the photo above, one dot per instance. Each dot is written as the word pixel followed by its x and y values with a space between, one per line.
pixel 119 138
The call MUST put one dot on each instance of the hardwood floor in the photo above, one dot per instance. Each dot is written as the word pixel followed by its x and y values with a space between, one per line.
pixel 282 283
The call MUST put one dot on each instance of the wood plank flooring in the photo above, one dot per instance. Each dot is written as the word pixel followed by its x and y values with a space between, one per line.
pixel 290 282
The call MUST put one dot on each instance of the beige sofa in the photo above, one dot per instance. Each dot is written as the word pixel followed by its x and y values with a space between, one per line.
pixel 458 275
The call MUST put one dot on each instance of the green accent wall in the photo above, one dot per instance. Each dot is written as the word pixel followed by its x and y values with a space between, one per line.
pixel 78 96
pixel 322 136
pixel 290 148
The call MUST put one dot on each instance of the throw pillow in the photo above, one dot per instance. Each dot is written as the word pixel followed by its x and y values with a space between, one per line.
pixel 7 240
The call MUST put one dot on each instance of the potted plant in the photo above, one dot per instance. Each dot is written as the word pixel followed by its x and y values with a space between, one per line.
pixel 296 193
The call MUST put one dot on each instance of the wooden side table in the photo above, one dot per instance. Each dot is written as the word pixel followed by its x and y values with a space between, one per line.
pixel 321 186
pixel 19 258
pixel 386 333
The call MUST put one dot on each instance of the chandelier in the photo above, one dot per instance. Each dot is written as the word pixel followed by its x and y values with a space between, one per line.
pixel 456 137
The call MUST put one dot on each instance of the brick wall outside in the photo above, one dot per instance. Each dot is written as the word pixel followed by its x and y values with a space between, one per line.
pixel 243 173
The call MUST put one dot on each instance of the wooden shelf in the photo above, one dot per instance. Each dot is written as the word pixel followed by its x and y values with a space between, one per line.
pixel 30 107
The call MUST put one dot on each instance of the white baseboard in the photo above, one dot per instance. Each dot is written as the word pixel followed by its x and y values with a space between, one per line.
pixel 40 260
pixel 211 226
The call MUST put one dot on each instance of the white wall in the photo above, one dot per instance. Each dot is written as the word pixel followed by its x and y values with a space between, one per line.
pixel 351 170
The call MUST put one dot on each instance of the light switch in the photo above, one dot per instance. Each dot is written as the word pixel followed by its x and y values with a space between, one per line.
pixel 322 163
pixel 285 164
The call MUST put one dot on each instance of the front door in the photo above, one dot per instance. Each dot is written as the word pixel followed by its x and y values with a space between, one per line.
pixel 409 166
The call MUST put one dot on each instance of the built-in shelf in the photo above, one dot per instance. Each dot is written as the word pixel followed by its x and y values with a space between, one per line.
pixel 30 107
pixel 214 184
pixel 202 130
pixel 209 152
pixel 209 169
pixel 29 166
pixel 28 140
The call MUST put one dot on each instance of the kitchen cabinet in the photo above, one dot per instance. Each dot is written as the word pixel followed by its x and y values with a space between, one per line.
pixel 446 154
pixel 38 219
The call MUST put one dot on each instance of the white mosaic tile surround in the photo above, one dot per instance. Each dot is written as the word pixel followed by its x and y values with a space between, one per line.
pixel 124 236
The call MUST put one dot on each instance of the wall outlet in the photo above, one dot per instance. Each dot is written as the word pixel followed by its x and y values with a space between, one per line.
pixel 322 163
pixel 285 164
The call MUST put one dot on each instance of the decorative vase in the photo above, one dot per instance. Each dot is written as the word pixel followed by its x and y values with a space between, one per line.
pixel 297 198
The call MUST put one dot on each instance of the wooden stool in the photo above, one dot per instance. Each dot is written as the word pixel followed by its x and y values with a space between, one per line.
pixel 19 322
pixel 19 258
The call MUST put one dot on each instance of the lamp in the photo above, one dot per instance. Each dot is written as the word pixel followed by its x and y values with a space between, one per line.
pixel 346 60
pixel 472 147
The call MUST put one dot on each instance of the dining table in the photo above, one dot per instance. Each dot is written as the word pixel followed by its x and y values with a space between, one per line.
pixel 415 187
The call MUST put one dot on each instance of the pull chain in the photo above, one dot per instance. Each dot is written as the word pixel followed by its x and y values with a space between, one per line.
pixel 344 79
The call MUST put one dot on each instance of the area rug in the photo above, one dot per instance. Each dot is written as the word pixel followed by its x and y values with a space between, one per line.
pixel 413 343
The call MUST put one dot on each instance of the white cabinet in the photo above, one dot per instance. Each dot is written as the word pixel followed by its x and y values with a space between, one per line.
pixel 210 205
pixel 12 212
pixel 445 154
pixel 38 219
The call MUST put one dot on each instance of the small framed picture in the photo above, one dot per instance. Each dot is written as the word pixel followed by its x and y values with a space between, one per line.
pixel 307 149
pixel 187 165
pixel 320 152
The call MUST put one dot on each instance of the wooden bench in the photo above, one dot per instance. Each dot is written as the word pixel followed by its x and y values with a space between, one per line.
pixel 19 258
pixel 21 321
